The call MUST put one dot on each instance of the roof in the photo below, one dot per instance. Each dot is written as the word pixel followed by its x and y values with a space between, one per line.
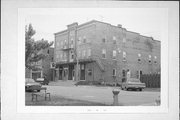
pixel 93 21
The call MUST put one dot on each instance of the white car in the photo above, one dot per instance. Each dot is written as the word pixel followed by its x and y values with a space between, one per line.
pixel 133 83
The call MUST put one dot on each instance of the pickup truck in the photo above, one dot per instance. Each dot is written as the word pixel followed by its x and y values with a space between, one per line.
pixel 133 83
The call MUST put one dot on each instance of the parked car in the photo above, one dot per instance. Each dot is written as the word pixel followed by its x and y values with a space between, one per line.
pixel 31 85
pixel 42 81
pixel 133 83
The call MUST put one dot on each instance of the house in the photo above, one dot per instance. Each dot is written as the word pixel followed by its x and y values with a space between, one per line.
pixel 42 67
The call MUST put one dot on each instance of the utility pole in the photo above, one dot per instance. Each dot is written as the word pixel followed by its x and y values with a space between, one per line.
pixel 77 61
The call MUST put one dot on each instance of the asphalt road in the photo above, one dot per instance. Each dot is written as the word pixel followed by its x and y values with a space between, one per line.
pixel 104 95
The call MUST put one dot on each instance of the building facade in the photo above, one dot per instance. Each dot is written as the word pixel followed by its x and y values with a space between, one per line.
pixel 104 52
pixel 43 67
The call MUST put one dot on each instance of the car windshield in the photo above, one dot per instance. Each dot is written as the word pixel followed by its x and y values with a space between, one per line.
pixel 30 80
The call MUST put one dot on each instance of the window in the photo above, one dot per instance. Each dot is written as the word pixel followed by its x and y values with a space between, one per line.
pixel 61 44
pixel 61 56
pixel 48 52
pixel 114 54
pixel 114 72
pixel 82 67
pixel 124 56
pixel 79 54
pixel 57 44
pixel 155 59
pixel 103 53
pixel 89 52
pixel 79 40
pixel 114 40
pixel 149 59
pixel 90 72
pixel 139 57
pixel 84 39
pixel 84 53
pixel 65 42
pixel 104 40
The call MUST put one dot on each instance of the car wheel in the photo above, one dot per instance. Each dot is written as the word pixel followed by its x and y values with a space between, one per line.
pixel 140 89
pixel 38 90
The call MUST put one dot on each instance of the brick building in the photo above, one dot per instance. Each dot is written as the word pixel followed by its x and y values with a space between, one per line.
pixel 42 67
pixel 105 52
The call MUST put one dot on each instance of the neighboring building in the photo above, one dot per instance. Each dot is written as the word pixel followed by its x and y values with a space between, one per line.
pixel 105 52
pixel 42 67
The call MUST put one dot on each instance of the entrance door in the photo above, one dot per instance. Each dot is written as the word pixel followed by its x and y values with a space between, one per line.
pixel 60 74
pixel 82 74
pixel 71 68
pixel 65 74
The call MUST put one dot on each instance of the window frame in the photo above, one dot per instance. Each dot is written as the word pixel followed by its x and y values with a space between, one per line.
pixel 104 53
pixel 114 72
pixel 114 54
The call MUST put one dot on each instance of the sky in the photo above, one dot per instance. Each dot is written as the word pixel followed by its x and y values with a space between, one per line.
pixel 150 22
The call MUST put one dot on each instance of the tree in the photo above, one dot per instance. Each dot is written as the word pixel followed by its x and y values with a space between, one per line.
pixel 33 48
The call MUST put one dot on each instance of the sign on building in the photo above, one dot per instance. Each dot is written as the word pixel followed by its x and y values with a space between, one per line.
pixel 53 64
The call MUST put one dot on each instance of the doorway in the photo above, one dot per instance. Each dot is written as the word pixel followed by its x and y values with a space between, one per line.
pixel 82 73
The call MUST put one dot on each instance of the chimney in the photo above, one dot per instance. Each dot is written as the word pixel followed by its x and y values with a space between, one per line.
pixel 119 26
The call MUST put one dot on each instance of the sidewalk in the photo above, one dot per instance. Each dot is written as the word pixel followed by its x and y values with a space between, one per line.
pixel 62 83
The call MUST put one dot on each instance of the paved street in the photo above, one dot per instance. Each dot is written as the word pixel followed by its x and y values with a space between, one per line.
pixel 103 95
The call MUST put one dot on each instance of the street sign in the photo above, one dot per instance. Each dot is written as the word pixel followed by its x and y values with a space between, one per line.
pixel 53 64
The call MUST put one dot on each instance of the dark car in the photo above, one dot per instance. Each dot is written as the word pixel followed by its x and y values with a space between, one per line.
pixel 132 83
pixel 43 81
pixel 31 85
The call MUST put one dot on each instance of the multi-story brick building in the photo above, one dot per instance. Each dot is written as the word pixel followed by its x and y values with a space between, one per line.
pixel 42 67
pixel 104 52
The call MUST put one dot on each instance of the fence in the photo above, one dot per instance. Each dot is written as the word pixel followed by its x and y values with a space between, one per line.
pixel 151 80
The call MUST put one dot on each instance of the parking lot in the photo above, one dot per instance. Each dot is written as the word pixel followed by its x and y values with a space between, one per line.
pixel 92 95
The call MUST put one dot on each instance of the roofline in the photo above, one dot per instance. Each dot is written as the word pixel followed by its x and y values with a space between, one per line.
pixel 92 21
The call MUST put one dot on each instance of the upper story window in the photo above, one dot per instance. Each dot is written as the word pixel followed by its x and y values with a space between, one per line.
pixel 114 54
pixel 149 58
pixel 61 56
pixel 114 72
pixel 103 53
pixel 89 52
pixel 57 44
pixel 84 39
pixel 124 56
pixel 139 57
pixel 84 54
pixel 79 40
pixel 65 42
pixel 79 54
pixel 114 40
pixel 155 59
pixel 61 44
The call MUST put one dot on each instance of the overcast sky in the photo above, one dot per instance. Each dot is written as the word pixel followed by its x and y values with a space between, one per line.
pixel 150 22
